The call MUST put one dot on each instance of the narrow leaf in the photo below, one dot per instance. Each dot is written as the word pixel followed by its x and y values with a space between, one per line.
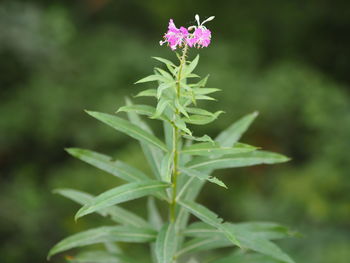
pixel 205 91
pixel 165 61
pixel 238 160
pixel 151 78
pixel 202 176
pixel 128 128
pixel 201 119
pixel 121 194
pixel 99 256
pixel 147 93
pixel 233 133
pixel 210 218
pixel 154 216
pixel 208 149
pixel 166 244
pixel 247 238
pixel 190 67
pixel 105 163
pixel 104 234
pixel 166 166
pixel 143 110
pixel 117 214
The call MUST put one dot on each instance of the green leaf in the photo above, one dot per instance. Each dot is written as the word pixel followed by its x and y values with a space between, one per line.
pixel 202 176
pixel 204 138
pixel 247 258
pixel 165 74
pixel 165 168
pixel 162 87
pixel 104 234
pixel 166 244
pixel 202 82
pixel 238 160
pixel 152 154
pixel 190 67
pixel 201 120
pixel 151 78
pixel 208 149
pixel 200 244
pixel 248 239
pixel 210 218
pixel 165 61
pixel 161 107
pixel 154 217
pixel 233 133
pixel 204 91
pixel 105 163
pixel 147 93
pixel 128 128
pixel 199 111
pixel 117 214
pixel 265 230
pixel 179 123
pixel 121 194
pixel 143 110
pixel 99 256
pixel 168 132
pixel 203 97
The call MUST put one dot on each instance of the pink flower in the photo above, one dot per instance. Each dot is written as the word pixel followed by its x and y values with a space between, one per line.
pixel 200 38
pixel 175 36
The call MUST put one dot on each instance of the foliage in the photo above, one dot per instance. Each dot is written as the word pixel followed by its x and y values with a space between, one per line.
pixel 181 165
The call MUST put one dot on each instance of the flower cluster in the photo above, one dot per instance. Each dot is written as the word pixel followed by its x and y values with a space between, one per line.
pixel 178 37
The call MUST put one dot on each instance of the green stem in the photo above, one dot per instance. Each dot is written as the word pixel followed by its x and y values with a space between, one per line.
pixel 176 138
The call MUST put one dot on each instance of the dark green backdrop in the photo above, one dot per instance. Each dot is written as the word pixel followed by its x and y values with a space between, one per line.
pixel 290 60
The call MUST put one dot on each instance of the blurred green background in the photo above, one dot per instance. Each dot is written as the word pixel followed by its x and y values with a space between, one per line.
pixel 289 60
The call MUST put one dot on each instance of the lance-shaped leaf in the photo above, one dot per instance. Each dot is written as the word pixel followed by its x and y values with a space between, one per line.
pixel 105 163
pixel 233 133
pixel 170 65
pixel 202 176
pixel 121 194
pixel 154 216
pixel 199 111
pixel 200 244
pixel 147 93
pixel 201 119
pixel 166 244
pixel 165 74
pixel 208 149
pixel 248 239
pixel 264 230
pixel 190 67
pixel 204 138
pixel 117 214
pixel 104 234
pixel 162 87
pixel 237 160
pixel 128 128
pixel 99 256
pixel 166 167
pixel 247 258
pixel 210 218
pixel 205 91
pixel 165 61
pixel 151 78
pixel 153 154
pixel 143 110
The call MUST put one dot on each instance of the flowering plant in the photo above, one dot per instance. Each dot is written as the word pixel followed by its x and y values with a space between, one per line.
pixel 181 164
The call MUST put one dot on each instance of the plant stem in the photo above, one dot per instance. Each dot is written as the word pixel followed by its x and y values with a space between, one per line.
pixel 176 138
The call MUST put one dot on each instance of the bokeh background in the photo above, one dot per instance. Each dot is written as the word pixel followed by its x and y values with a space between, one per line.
pixel 290 60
